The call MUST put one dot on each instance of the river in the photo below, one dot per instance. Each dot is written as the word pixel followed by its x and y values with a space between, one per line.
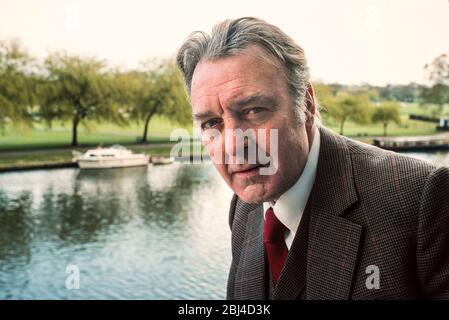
pixel 156 232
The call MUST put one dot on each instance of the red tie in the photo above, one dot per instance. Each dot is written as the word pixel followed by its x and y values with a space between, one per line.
pixel 275 246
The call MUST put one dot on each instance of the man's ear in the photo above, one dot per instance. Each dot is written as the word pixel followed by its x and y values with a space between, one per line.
pixel 310 102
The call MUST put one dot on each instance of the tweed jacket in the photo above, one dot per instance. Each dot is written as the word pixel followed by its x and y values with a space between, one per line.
pixel 371 213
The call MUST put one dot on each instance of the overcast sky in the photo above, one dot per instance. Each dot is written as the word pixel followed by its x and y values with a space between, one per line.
pixel 346 41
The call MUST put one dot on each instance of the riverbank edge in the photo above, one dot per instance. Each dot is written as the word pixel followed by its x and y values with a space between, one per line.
pixel 71 164
pixel 43 166
pixel 198 158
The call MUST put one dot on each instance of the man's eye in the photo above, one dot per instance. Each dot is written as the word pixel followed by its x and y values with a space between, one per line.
pixel 209 124
pixel 254 110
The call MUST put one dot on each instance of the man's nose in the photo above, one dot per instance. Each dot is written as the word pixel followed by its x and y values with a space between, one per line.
pixel 232 137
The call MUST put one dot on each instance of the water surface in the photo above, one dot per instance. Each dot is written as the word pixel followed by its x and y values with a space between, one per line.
pixel 134 233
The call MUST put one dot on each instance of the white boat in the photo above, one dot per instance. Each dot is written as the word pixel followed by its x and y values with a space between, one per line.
pixel 116 156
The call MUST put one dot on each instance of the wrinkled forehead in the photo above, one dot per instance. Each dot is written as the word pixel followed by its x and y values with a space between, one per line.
pixel 250 72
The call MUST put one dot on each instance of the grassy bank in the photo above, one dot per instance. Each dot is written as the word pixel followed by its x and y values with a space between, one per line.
pixel 41 145
pixel 407 127
pixel 26 158
pixel 90 134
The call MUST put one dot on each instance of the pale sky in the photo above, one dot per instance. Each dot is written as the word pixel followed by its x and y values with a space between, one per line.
pixel 346 41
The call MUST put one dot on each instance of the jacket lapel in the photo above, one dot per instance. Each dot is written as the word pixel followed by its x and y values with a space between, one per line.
pixel 323 256
pixel 251 276
pixel 333 240
pixel 324 252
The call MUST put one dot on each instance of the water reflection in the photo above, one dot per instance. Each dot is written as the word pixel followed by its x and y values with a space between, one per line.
pixel 135 233
pixel 145 233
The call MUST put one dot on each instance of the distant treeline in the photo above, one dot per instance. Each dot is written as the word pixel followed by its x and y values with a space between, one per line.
pixel 408 93
pixel 403 93
pixel 68 87
pixel 437 93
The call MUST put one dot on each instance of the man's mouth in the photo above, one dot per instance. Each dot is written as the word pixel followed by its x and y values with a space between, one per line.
pixel 246 172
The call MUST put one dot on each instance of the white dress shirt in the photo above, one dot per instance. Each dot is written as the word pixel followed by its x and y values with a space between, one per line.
pixel 290 206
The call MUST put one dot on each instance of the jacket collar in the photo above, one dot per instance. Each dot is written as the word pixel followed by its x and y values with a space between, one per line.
pixel 333 240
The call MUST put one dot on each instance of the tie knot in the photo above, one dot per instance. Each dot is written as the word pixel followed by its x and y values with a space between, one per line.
pixel 274 230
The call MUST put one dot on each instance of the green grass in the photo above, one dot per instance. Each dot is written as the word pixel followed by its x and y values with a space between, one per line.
pixel 41 145
pixel 8 160
pixel 90 134
pixel 415 108
pixel 43 157
pixel 25 145
pixel 407 127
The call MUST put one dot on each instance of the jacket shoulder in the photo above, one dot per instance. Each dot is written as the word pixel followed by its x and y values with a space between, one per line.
pixel 368 156
pixel 390 187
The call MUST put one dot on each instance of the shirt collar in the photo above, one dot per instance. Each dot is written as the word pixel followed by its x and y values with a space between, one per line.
pixel 290 206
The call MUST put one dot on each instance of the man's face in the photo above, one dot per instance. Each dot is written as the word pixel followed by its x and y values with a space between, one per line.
pixel 244 92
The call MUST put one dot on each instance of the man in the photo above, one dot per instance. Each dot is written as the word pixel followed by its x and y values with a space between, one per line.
pixel 338 219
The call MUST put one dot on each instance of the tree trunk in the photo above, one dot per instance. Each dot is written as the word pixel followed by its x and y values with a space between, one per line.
pixel 145 130
pixel 342 124
pixel 385 128
pixel 75 123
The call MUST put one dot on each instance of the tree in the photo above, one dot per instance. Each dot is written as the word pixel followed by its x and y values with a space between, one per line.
pixel 157 90
pixel 438 70
pixel 325 97
pixel 346 106
pixel 438 93
pixel 17 96
pixel 385 113
pixel 79 89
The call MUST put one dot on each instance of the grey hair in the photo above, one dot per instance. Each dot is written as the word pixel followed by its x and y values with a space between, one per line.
pixel 232 37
